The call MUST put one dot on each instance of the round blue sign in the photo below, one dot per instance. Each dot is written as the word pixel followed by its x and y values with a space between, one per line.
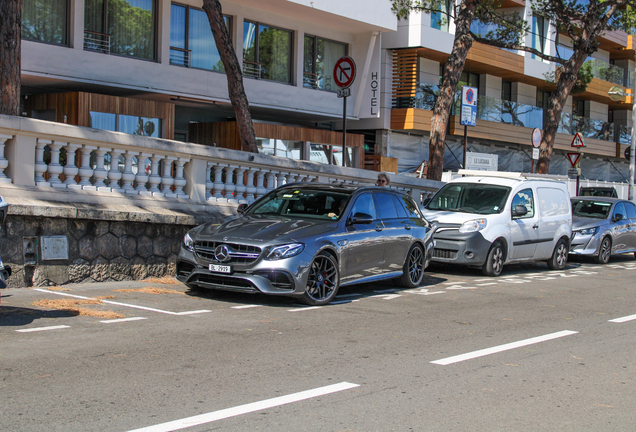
pixel 469 96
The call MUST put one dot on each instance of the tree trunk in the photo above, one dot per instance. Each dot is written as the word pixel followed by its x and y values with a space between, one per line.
pixel 556 102
pixel 234 75
pixel 10 28
pixel 444 103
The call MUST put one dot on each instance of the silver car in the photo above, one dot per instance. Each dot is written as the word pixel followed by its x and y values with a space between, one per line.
pixel 602 227
pixel 306 240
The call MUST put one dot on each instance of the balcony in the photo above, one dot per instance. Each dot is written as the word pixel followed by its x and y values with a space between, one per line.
pixel 180 57
pixel 94 41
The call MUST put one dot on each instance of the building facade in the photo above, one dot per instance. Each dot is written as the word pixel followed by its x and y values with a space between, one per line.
pixel 150 67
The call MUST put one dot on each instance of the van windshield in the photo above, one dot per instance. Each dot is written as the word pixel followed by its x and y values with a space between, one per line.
pixel 476 198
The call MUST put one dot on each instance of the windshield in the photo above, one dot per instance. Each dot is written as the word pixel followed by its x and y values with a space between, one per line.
pixel 302 202
pixel 476 198
pixel 591 209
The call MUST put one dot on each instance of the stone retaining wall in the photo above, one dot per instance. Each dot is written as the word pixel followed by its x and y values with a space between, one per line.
pixel 98 251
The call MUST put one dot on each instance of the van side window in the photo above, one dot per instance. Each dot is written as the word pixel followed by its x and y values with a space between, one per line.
pixel 524 198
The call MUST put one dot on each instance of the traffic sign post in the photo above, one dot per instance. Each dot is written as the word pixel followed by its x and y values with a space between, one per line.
pixel 537 135
pixel 469 112
pixel 578 143
pixel 344 73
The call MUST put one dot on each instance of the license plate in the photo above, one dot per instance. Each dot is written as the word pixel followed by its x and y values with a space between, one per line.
pixel 220 268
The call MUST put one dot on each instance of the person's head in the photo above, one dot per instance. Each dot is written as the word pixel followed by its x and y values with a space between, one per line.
pixel 383 180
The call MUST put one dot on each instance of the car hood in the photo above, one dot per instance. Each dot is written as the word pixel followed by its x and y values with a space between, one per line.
pixel 583 222
pixel 449 217
pixel 261 230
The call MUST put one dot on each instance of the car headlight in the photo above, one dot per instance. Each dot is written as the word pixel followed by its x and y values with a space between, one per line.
pixel 188 243
pixel 285 251
pixel 587 231
pixel 473 226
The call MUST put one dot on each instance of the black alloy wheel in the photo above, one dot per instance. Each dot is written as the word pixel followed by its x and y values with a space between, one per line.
pixel 413 267
pixel 323 280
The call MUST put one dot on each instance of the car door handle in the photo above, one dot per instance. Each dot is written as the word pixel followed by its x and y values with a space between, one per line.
pixel 378 227
pixel 535 226
pixel 407 227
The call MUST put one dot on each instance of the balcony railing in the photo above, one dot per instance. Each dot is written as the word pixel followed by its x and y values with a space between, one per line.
pixel 94 41
pixel 310 80
pixel 180 57
pixel 608 72
pixel 251 69
pixel 588 128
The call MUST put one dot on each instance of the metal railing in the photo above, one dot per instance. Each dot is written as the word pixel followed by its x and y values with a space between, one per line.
pixel 180 57
pixel 251 69
pixel 94 41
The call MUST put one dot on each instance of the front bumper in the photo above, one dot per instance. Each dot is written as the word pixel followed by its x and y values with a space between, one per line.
pixel 453 247
pixel 283 277
pixel 584 244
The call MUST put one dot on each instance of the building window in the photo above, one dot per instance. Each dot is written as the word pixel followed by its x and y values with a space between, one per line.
pixel 124 27
pixel 134 125
pixel 506 91
pixel 542 99
pixel 440 19
pixel 539 33
pixel 267 52
pixel 282 148
pixel 578 108
pixel 319 61
pixel 191 40
pixel 469 79
pixel 45 21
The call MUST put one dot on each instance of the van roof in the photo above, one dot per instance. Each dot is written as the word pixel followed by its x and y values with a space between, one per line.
pixel 503 178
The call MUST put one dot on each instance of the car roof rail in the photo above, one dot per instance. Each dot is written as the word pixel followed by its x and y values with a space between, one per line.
pixel 511 175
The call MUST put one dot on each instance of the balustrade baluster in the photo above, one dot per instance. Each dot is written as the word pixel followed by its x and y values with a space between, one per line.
pixel 179 180
pixel 270 177
pixel 71 169
pixel 114 175
pixel 128 176
pixel 99 173
pixel 240 184
pixel 86 171
pixel 4 163
pixel 155 179
pixel 280 179
pixel 55 169
pixel 209 183
pixel 260 186
pixel 230 187
pixel 218 181
pixel 40 166
pixel 166 177
pixel 142 177
pixel 250 189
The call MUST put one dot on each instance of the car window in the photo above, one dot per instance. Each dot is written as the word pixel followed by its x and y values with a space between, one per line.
pixel 364 204
pixel 524 198
pixel 400 207
pixel 478 198
pixel 591 209
pixel 620 210
pixel 631 210
pixel 553 202
pixel 410 206
pixel 385 205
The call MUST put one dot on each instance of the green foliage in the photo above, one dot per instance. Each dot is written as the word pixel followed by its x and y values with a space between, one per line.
pixel 44 20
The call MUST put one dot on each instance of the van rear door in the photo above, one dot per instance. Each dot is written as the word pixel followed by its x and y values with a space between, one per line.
pixel 555 212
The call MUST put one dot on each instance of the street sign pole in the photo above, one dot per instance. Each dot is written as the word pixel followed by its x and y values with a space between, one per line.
pixel 344 131
pixel 632 156
pixel 344 73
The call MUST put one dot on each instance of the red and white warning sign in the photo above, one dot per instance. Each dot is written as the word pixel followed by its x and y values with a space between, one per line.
pixel 344 72
pixel 574 158
pixel 578 141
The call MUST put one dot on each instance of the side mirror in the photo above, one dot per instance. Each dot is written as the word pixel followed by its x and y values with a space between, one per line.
pixel 242 207
pixel 519 211
pixel 362 218
pixel 618 217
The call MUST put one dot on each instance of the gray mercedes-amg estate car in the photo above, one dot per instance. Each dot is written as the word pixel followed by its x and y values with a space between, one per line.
pixel 308 239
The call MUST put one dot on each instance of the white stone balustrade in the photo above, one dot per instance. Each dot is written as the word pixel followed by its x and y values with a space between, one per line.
pixel 207 174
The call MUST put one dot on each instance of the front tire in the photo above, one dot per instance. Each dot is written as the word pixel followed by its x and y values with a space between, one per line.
pixel 559 257
pixel 604 251
pixel 413 268
pixel 495 260
pixel 323 280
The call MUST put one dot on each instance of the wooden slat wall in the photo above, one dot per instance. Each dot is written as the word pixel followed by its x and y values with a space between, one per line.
pixel 484 58
pixel 225 134
pixel 77 105
pixel 404 73
pixel 411 119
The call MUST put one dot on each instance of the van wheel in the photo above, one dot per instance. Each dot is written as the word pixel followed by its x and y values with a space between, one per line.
pixel 604 252
pixel 559 257
pixel 495 260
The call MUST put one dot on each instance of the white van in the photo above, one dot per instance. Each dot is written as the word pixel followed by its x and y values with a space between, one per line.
pixel 487 220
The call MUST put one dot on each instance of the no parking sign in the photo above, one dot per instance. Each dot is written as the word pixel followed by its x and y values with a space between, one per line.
pixel 469 106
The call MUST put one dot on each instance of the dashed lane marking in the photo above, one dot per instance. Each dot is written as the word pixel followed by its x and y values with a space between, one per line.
pixel 248 408
pixel 124 304
pixel 623 319
pixel 302 309
pixel 120 320
pixel 37 329
pixel 246 306
pixel 500 348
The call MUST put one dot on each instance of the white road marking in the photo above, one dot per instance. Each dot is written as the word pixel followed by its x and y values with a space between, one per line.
pixel 386 296
pixel 623 319
pixel 111 321
pixel 515 281
pixel 123 304
pixel 344 301
pixel 245 306
pixel 488 283
pixel 247 408
pixel 29 330
pixel 500 348
pixel 304 309
pixel 424 291
pixel 453 283
pixel 459 287
pixel 387 291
